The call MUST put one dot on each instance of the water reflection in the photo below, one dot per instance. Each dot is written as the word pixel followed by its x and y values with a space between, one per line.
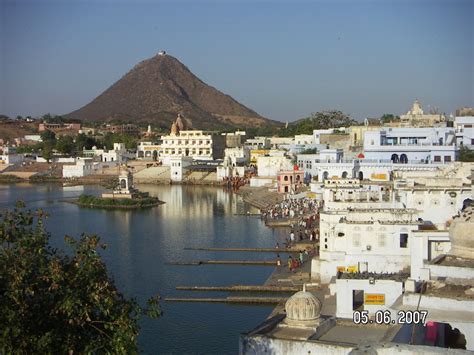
pixel 141 241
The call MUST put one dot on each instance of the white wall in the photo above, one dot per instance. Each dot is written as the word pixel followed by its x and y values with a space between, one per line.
pixel 391 289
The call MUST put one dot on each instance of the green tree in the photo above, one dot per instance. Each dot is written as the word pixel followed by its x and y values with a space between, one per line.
pixel 466 154
pixel 48 137
pixel 65 145
pixel 84 141
pixel 318 120
pixel 111 138
pixel 51 302
pixel 47 153
pixel 388 117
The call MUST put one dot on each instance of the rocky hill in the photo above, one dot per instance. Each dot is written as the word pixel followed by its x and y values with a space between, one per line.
pixel 157 89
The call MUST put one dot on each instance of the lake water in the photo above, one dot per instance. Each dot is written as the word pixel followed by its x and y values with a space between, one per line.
pixel 140 242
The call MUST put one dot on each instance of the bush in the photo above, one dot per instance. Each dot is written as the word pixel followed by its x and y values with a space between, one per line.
pixel 89 200
pixel 56 303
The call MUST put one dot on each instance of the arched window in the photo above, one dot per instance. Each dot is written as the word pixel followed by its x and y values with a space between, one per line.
pixel 394 158
pixel 325 175
pixel 123 183
pixel 344 174
pixel 403 159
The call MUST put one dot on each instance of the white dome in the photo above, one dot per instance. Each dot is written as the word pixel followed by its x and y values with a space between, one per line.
pixel 302 308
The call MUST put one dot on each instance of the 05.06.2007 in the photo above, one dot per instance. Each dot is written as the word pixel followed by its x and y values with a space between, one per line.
pixel 385 317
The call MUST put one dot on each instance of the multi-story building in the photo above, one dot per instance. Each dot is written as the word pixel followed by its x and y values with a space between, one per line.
pixel 411 145
pixel 234 139
pixel 258 143
pixel 196 144
pixel 464 126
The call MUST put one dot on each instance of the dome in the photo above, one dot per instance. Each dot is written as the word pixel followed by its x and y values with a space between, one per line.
pixel 303 308
pixel 460 234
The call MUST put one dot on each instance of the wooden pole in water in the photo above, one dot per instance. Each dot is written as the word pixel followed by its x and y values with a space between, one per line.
pixel 223 262
pixel 251 300
pixel 261 250
pixel 241 288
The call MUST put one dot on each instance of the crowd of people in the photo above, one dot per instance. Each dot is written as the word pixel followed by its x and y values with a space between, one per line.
pixel 291 208
pixel 297 261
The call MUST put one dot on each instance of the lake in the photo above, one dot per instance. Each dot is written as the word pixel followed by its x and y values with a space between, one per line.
pixel 139 242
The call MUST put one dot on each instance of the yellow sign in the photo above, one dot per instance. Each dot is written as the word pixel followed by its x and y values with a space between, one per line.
pixel 379 177
pixel 374 298
pixel 352 269
pixel 259 151
pixel 341 269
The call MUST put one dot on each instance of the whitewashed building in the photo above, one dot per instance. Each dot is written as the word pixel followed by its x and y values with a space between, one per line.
pixel 148 151
pixel 83 167
pixel 9 156
pixel 179 165
pixel 193 143
pixel 269 166
pixel 464 127
pixel 411 145
pixel 118 154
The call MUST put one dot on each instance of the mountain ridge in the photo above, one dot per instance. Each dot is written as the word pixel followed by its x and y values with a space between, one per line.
pixel 155 90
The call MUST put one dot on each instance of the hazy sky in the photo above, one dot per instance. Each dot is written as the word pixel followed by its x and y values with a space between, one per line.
pixel 284 59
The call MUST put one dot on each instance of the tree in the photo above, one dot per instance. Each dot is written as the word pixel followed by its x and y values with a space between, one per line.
pixel 111 138
pixel 65 145
pixel 318 120
pixel 84 141
pixel 47 153
pixel 51 302
pixel 48 137
pixel 388 117
pixel 466 154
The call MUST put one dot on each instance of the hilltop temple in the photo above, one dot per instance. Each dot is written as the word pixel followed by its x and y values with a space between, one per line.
pixel 417 118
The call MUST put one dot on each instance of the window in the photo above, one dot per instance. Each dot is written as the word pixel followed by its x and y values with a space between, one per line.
pixel 356 240
pixel 437 158
pixel 447 158
pixel 382 240
pixel 403 240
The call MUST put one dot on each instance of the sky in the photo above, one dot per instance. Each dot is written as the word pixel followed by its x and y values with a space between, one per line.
pixel 284 59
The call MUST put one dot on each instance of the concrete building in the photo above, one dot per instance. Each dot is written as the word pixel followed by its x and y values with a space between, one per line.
pixel 8 155
pixel 443 285
pixel 118 154
pixel 318 134
pixel 411 145
pixel 192 143
pixel 258 143
pixel 308 326
pixel 364 239
pixel 464 126
pixel 289 181
pixel 83 167
pixel 228 169
pixel 281 142
pixel 148 151
pixel 179 166
pixel 234 139
pixel 269 166
pixel 238 156
pixel 415 117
